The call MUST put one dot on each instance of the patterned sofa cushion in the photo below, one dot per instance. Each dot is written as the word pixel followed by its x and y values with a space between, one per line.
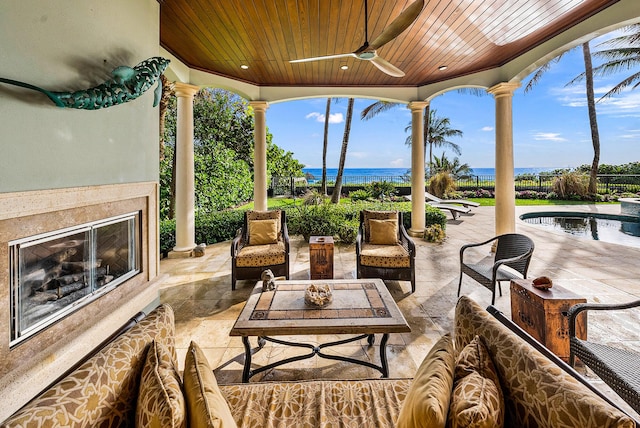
pixel 262 255
pixel 339 403
pixel 476 401
pixel 537 392
pixel 390 256
pixel 103 390
pixel 375 215
pixel 160 402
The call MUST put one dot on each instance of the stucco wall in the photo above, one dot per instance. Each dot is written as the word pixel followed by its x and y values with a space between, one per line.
pixel 69 45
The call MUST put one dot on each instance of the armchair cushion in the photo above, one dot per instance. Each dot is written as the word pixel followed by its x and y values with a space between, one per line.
pixel 265 215
pixel 388 256
pixel 376 215
pixel 263 232
pixel 262 255
pixel 383 232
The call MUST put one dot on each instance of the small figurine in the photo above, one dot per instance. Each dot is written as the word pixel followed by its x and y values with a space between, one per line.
pixel 268 280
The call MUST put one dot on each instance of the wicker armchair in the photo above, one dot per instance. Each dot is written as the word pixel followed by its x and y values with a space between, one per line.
pixel 393 258
pixel 268 250
pixel 513 251
pixel 618 368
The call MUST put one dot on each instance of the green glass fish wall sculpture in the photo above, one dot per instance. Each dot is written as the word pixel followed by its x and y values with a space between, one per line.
pixel 127 84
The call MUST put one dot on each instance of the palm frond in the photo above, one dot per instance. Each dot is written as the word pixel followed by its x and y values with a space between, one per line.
pixel 634 78
pixel 537 75
pixel 376 108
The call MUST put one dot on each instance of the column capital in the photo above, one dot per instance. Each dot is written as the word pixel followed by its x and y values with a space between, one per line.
pixel 185 90
pixel 503 89
pixel 259 105
pixel 417 105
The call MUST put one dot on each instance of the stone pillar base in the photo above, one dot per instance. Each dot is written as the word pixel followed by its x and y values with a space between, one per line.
pixel 416 233
pixel 180 254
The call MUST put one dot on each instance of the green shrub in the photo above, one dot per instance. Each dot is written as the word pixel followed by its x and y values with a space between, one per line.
pixel 167 236
pixel 359 195
pixel 570 185
pixel 218 226
pixel 380 189
pixel 348 231
pixel 434 233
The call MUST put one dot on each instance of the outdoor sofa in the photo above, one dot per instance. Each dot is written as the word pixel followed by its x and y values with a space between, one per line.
pixel 132 381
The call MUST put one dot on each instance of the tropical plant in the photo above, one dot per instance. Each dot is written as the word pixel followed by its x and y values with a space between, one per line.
pixel 453 167
pixel 380 189
pixel 442 184
pixel 591 106
pixel 570 184
pixel 624 54
pixel 337 188
pixel 434 233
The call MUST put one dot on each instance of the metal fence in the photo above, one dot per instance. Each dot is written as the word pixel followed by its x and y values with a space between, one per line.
pixel 607 183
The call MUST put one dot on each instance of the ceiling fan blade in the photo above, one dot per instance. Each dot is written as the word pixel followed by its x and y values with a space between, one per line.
pixel 386 67
pixel 401 23
pixel 319 58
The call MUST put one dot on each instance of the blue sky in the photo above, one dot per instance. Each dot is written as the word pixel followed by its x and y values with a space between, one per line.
pixel 550 125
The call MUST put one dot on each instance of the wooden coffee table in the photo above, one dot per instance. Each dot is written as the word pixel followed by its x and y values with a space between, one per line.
pixel 361 307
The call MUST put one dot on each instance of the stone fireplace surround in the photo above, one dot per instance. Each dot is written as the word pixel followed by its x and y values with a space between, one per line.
pixel 30 366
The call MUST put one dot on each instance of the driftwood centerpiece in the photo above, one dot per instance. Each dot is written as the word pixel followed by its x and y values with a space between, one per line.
pixel 319 295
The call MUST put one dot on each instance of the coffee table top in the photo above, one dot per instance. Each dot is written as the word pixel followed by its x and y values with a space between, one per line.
pixel 360 306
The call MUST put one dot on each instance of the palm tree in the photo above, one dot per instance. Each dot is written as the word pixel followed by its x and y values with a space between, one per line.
pixel 323 185
pixel 453 167
pixel 337 189
pixel 623 55
pixel 591 106
pixel 437 130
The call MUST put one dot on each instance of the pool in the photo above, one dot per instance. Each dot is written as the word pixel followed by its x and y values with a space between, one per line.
pixel 617 229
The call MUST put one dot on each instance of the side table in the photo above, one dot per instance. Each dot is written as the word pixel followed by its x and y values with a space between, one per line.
pixel 321 257
pixel 543 314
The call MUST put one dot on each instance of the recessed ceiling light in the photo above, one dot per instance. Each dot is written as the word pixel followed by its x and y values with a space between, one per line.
pixel 244 66
pixel 344 67
pixel 442 68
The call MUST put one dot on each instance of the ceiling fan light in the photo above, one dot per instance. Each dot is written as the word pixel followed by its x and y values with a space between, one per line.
pixel 344 67
pixel 442 68
pixel 244 67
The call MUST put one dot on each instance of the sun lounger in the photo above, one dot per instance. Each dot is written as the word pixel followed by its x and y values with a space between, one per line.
pixel 455 210
pixel 462 202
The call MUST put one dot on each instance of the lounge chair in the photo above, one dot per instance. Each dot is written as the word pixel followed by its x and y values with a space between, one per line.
pixel 437 200
pixel 455 210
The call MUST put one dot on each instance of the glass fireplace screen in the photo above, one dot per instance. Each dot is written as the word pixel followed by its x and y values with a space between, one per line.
pixel 56 273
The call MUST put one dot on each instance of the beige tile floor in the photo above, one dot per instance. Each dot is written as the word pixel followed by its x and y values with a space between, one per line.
pixel 199 289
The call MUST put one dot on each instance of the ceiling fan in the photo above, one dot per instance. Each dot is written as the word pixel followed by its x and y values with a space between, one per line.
pixel 367 51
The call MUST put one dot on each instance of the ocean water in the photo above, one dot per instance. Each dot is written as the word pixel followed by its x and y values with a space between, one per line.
pixel 396 172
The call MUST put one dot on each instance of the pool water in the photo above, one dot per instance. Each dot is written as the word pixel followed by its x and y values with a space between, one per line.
pixel 617 229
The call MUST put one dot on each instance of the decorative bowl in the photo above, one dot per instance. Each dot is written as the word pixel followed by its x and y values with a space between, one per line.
pixel 318 295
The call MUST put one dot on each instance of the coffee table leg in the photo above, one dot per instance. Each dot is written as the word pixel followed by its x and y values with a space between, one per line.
pixel 247 359
pixel 383 355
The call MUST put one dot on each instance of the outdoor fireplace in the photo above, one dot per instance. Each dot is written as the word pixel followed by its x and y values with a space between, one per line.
pixel 53 274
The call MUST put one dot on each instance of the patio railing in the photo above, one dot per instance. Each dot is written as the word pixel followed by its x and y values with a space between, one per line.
pixel 607 183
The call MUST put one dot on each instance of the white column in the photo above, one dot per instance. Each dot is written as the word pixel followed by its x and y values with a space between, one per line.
pixel 260 155
pixel 505 211
pixel 417 167
pixel 185 188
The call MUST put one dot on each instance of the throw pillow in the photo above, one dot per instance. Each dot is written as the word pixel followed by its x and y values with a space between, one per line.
pixel 427 402
pixel 383 232
pixel 477 400
pixel 207 408
pixel 263 232
pixel 160 400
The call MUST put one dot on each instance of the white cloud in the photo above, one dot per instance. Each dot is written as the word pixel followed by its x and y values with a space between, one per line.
pixel 548 136
pixel 487 128
pixel 397 163
pixel 319 117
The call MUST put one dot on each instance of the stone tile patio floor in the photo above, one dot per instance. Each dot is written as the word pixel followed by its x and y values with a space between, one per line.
pixel 199 290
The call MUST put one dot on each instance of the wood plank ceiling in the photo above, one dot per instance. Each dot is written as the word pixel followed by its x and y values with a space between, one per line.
pixel 466 36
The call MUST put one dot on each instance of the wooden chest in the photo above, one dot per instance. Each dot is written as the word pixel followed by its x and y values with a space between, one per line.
pixel 543 314
pixel 321 257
